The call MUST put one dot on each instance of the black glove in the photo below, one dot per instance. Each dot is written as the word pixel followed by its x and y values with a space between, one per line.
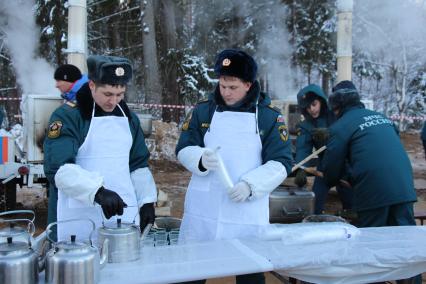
pixel 300 179
pixel 110 201
pixel 146 215
pixel 320 136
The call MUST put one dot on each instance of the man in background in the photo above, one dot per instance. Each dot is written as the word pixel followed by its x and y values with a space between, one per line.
pixel 313 133
pixel 381 172
pixel 68 81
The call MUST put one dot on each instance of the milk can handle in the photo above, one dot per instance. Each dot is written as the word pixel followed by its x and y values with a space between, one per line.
pixel 129 206
pixel 19 212
pixel 69 221
pixel 30 226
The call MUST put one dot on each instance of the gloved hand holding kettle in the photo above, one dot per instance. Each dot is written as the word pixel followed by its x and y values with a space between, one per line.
pixel 211 160
pixel 112 204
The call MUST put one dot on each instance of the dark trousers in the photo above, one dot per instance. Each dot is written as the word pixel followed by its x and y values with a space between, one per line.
pixel 401 214
pixel 424 146
pixel 394 215
pixel 51 210
pixel 254 278
pixel 321 192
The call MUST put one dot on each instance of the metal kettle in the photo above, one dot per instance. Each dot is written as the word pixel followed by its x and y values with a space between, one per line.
pixel 74 261
pixel 124 241
pixel 19 261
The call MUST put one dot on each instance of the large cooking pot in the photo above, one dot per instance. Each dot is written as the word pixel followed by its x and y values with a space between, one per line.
pixel 146 123
pixel 19 262
pixel 167 223
pixel 289 204
pixel 74 261
pixel 123 240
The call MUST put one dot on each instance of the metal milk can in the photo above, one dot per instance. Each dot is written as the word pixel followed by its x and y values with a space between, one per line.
pixel 124 241
pixel 74 261
pixel 19 262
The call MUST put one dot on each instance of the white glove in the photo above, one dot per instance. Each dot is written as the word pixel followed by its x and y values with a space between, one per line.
pixel 209 160
pixel 240 192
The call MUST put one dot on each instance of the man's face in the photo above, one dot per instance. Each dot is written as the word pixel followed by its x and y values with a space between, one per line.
pixel 233 89
pixel 314 108
pixel 107 96
pixel 63 86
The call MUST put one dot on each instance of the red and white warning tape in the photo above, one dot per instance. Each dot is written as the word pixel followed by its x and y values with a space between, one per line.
pixel 408 117
pixel 164 106
pixel 393 117
pixel 9 99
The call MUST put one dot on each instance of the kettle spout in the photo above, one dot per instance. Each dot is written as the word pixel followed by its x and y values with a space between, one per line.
pixel 38 243
pixel 104 253
pixel 41 246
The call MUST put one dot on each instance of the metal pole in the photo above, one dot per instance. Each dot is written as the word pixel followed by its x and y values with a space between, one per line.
pixel 344 40
pixel 77 34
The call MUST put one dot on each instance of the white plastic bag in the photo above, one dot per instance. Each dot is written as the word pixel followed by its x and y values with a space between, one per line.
pixel 223 172
pixel 305 233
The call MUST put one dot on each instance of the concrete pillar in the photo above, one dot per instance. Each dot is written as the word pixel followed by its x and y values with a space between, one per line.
pixel 77 34
pixel 344 40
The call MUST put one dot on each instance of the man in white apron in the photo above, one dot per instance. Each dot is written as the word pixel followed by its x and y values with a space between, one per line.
pixel 236 129
pixel 96 157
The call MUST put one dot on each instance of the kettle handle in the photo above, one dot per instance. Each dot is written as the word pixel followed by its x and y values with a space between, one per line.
pixel 30 226
pixel 128 206
pixel 48 231
pixel 19 212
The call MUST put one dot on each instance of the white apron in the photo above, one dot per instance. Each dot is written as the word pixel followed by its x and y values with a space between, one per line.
pixel 105 150
pixel 209 213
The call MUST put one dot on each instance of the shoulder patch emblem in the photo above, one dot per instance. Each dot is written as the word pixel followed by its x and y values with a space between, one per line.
pixel 71 104
pixel 280 118
pixel 271 106
pixel 54 129
pixel 185 124
pixel 203 100
pixel 205 125
pixel 282 129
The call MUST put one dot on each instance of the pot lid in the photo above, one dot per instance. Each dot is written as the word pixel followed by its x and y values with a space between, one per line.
pixel 290 194
pixel 13 247
pixel 72 244
pixel 119 227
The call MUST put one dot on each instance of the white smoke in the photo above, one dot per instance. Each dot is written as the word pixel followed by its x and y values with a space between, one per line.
pixel 387 25
pixel 275 50
pixel 266 19
pixel 17 23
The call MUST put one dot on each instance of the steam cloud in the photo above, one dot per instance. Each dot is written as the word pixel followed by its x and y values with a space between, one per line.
pixel 17 23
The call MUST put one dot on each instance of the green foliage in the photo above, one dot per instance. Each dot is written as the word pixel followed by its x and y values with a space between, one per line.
pixel 51 17
pixel 194 77
pixel 312 27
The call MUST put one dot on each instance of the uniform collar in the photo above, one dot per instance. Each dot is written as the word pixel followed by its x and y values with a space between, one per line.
pixel 248 103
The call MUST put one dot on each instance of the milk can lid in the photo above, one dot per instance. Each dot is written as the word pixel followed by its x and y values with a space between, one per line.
pixel 118 227
pixel 72 244
pixel 13 247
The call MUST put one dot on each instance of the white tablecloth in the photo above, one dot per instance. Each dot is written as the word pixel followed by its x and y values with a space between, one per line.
pixel 378 254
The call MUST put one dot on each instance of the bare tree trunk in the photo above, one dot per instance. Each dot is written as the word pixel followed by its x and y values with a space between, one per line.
pixel 58 25
pixel 326 82
pixel 171 94
pixel 152 82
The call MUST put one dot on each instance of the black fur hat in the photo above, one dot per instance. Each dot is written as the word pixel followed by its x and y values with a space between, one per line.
pixel 344 95
pixel 67 72
pixel 111 70
pixel 236 63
